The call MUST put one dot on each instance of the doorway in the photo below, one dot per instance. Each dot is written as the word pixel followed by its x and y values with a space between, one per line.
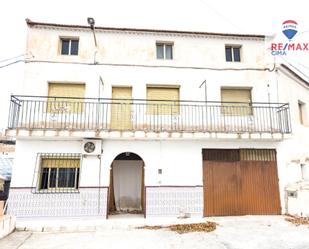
pixel 240 182
pixel 126 189
pixel 121 108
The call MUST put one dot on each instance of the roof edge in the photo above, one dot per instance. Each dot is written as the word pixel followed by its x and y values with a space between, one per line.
pixel 296 75
pixel 31 23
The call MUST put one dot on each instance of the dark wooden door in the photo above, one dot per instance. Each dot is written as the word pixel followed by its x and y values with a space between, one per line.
pixel 237 183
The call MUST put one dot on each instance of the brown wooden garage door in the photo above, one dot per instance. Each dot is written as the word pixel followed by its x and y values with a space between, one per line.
pixel 240 182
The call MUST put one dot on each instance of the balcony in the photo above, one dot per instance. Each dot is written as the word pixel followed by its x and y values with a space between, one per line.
pixel 90 114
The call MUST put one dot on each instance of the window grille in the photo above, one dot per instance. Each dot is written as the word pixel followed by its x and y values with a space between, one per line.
pixel 234 155
pixel 57 172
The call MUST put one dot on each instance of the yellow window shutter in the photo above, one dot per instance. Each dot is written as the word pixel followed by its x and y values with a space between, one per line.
pixel 162 107
pixel 122 93
pixel 236 95
pixel 64 104
pixel 121 108
pixel 60 163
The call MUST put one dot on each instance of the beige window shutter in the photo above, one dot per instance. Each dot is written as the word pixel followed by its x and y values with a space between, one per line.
pixel 60 163
pixel 66 90
pixel 236 95
pixel 121 116
pixel 122 93
pixel 163 107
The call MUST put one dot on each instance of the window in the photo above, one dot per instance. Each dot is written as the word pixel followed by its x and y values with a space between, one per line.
pixel 301 110
pixel 70 90
pixel 163 100
pixel 164 51
pixel 69 46
pixel 236 101
pixel 59 172
pixel 232 53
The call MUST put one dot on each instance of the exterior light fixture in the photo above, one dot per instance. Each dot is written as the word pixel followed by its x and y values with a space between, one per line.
pixel 91 22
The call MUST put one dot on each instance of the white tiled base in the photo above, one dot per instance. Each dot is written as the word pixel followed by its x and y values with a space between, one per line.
pixel 88 202
pixel 172 201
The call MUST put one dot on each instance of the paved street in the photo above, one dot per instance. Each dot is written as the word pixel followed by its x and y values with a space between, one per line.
pixel 247 232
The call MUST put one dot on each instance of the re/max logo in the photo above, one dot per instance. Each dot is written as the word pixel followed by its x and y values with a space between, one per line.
pixel 281 48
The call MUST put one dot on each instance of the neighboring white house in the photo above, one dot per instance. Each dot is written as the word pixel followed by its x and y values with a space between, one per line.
pixel 154 121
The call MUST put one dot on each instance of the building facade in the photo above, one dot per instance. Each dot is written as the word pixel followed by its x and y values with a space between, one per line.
pixel 156 122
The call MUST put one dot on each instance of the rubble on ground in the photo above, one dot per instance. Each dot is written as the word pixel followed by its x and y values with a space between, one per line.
pixel 207 226
pixel 297 220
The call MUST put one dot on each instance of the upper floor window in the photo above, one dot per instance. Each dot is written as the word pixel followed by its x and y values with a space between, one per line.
pixel 162 100
pixel 236 101
pixel 232 53
pixel 164 50
pixel 71 97
pixel 302 112
pixel 69 46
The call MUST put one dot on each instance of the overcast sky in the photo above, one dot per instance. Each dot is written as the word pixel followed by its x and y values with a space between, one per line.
pixel 240 16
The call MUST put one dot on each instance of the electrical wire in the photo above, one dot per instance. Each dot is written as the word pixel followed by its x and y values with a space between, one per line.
pixel 222 16
pixel 17 61
pixel 304 66
pixel 15 57
pixel 297 69
pixel 12 63
pixel 156 66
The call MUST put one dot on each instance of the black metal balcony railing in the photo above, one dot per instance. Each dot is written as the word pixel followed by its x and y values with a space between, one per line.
pixel 30 112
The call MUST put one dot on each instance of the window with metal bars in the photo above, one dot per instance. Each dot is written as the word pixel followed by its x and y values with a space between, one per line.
pixel 58 172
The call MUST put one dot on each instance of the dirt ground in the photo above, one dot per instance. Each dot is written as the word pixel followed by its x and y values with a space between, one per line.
pixel 246 232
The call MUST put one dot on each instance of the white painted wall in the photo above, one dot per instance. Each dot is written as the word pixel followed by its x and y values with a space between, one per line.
pixel 294 151
pixel 174 157
pixel 25 162
pixel 180 160
pixel 139 47
pixel 38 75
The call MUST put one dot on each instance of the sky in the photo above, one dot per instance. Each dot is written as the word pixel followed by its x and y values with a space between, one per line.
pixel 237 16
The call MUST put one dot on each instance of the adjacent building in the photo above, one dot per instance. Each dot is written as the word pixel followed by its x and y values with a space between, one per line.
pixel 158 122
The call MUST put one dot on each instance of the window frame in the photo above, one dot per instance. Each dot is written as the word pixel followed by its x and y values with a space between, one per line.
pixel 175 110
pixel 62 102
pixel 70 39
pixel 232 47
pixel 164 44
pixel 41 170
pixel 302 112
pixel 225 107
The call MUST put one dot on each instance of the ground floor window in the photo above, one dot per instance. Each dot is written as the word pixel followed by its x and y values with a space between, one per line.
pixel 59 172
